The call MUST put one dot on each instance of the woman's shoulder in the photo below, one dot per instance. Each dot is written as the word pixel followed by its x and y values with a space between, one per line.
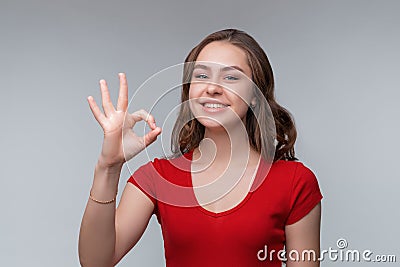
pixel 292 172
pixel 179 162
pixel 290 165
pixel 172 169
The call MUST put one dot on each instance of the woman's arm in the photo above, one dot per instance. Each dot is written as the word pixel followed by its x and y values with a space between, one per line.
pixel 303 239
pixel 108 233
pixel 97 233
pixel 132 217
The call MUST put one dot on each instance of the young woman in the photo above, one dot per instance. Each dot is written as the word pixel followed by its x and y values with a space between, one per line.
pixel 250 217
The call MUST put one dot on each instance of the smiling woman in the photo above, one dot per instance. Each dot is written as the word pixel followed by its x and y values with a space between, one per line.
pixel 233 148
pixel 215 88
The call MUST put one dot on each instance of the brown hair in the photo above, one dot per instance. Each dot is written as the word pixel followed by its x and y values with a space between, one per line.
pixel 188 132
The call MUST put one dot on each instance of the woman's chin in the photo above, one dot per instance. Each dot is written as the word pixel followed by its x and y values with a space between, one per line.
pixel 214 125
pixel 211 123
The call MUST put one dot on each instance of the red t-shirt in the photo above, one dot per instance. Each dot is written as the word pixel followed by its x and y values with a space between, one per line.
pixel 194 236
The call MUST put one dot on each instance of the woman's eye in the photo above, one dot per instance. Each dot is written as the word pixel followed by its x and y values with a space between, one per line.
pixel 201 76
pixel 232 78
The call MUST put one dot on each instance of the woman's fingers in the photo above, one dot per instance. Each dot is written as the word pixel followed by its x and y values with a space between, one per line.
pixel 151 136
pixel 155 131
pixel 98 115
pixel 123 93
pixel 144 115
pixel 106 101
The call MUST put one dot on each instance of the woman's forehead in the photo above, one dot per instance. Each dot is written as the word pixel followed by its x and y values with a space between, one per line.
pixel 226 55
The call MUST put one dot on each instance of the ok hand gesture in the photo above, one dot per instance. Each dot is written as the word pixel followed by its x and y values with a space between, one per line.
pixel 120 142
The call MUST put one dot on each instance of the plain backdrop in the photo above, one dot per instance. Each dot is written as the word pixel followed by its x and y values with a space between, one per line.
pixel 336 65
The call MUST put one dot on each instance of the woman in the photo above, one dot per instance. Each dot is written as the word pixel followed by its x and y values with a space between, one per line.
pixel 246 222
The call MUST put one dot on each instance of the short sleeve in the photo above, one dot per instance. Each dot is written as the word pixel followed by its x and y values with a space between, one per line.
pixel 305 193
pixel 142 179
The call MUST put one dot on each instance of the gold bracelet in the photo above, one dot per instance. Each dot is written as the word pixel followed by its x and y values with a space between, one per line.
pixel 101 201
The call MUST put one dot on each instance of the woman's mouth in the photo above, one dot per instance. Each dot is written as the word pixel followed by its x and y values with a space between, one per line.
pixel 214 107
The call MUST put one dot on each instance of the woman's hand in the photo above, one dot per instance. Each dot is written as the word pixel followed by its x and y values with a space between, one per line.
pixel 120 142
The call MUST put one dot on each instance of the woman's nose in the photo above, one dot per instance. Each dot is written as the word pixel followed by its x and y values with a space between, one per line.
pixel 214 88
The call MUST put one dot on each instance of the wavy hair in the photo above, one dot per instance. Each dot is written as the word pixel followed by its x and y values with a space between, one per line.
pixel 188 131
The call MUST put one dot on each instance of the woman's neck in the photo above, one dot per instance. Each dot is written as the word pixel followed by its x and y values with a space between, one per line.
pixel 222 146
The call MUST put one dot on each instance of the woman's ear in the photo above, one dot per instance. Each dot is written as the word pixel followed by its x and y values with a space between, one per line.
pixel 253 102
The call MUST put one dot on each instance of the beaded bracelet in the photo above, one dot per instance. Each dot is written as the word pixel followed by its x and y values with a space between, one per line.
pixel 101 201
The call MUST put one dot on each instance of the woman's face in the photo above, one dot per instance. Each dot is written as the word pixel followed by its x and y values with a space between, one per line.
pixel 221 88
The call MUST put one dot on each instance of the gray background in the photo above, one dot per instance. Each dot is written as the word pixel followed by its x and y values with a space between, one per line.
pixel 336 65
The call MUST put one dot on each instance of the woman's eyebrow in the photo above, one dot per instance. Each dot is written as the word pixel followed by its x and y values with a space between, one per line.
pixel 232 68
pixel 201 66
pixel 228 68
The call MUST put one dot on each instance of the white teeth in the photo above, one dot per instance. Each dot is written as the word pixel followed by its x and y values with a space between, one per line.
pixel 212 105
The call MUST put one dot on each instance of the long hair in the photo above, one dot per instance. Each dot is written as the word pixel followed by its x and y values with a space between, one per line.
pixel 188 131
